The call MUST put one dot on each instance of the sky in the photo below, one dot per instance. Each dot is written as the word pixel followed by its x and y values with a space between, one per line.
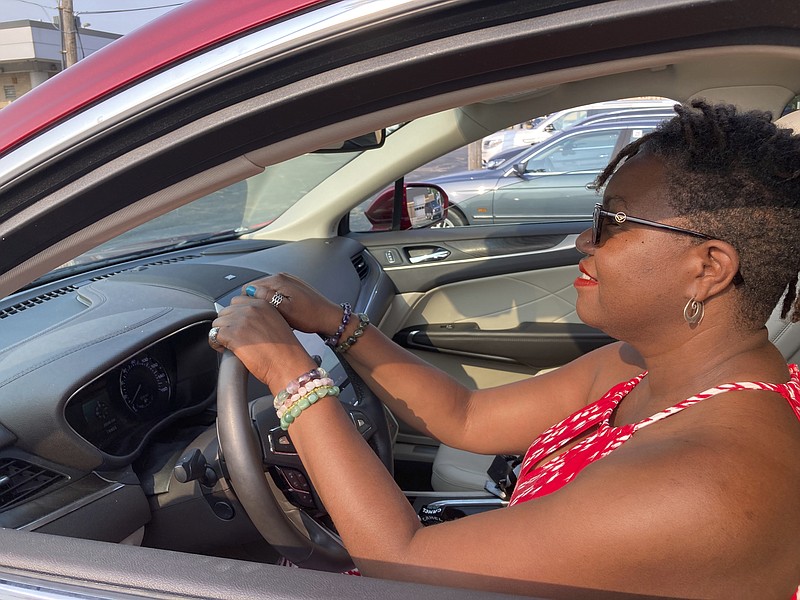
pixel 115 16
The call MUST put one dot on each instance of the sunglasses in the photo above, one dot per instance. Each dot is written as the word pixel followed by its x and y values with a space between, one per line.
pixel 600 215
pixel 618 218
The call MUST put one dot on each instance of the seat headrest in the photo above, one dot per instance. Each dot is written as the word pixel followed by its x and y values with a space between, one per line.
pixel 790 121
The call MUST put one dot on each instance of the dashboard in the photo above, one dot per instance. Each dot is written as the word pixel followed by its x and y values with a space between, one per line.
pixel 117 411
pixel 107 381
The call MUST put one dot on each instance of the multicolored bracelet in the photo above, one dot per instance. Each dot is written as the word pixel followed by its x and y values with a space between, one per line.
pixel 282 404
pixel 363 321
pixel 293 387
pixel 292 412
pixel 302 393
pixel 333 340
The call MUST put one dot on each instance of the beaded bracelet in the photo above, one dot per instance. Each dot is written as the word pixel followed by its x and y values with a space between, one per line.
pixel 363 321
pixel 333 340
pixel 294 386
pixel 281 402
pixel 293 411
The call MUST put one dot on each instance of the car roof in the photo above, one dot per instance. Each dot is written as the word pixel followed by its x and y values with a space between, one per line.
pixel 557 137
pixel 182 32
pixel 627 115
pixel 614 124
pixel 616 105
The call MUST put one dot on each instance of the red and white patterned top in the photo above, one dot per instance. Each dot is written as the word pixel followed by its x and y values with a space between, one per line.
pixel 536 481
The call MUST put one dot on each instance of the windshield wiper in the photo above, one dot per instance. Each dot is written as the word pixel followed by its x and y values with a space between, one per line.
pixel 205 238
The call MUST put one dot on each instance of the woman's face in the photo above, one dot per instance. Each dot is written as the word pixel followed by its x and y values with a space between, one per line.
pixel 635 280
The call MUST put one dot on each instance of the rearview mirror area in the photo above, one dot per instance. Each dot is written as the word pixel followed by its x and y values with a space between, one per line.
pixel 421 205
pixel 368 141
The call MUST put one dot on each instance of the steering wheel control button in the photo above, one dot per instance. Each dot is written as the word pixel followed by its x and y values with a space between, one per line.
pixel 280 442
pixel 361 422
pixel 298 487
pixel 296 480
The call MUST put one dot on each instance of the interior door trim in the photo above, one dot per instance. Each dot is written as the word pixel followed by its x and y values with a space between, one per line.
pixel 568 243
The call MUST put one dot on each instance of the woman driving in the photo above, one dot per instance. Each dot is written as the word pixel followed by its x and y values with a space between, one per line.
pixel 663 464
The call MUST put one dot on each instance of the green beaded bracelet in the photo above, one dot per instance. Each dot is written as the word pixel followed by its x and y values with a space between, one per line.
pixel 363 321
pixel 288 417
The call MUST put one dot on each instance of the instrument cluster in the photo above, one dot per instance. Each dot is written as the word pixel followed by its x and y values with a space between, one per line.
pixel 116 411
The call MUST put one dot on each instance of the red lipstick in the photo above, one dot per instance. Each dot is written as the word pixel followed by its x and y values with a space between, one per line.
pixel 585 280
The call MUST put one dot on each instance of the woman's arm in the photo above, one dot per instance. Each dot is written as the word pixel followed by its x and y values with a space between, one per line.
pixel 499 420
pixel 435 403
pixel 628 522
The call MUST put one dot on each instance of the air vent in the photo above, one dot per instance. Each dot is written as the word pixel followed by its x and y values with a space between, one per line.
pixel 361 265
pixel 21 481
pixel 19 307
pixel 155 263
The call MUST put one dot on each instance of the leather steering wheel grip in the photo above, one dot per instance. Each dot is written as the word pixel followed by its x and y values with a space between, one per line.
pixel 285 527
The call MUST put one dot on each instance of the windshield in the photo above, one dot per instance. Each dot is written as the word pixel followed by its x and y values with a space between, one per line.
pixel 243 207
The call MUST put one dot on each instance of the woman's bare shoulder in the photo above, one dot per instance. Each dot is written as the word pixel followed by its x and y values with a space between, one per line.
pixel 603 368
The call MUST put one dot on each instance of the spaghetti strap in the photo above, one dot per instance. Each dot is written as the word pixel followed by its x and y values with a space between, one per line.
pixel 538 478
pixel 790 388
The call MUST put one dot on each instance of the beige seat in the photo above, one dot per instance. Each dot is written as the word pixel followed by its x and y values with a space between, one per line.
pixel 460 471
pixel 457 470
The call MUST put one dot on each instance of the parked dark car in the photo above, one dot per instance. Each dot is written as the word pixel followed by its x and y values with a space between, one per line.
pixel 550 181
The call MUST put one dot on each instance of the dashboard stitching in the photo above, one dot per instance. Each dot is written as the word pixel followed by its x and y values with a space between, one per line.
pixel 85 345
pixel 94 304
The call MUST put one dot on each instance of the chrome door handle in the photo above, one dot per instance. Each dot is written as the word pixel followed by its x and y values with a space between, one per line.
pixel 440 254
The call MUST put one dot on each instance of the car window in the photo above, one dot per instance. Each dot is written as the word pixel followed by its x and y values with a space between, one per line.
pixel 491 196
pixel 569 119
pixel 581 152
pixel 546 182
pixel 240 208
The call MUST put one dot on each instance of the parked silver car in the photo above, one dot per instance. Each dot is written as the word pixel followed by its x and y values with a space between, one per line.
pixel 551 181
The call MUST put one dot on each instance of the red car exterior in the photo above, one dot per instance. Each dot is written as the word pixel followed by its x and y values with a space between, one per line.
pixel 193 27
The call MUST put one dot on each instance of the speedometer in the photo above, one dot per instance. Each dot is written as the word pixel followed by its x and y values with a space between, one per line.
pixel 144 385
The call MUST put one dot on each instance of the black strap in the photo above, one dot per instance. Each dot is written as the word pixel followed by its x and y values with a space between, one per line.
pixel 502 472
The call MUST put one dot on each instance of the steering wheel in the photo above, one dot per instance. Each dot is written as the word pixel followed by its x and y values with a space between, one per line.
pixel 251 440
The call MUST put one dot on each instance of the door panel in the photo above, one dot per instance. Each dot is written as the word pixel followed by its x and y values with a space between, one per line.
pixel 502 301
pixel 496 306
pixel 507 288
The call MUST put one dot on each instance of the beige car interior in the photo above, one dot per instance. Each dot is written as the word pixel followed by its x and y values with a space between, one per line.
pixel 550 297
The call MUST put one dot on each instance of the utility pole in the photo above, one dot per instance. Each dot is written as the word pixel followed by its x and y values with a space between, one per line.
pixel 69 46
pixel 475 156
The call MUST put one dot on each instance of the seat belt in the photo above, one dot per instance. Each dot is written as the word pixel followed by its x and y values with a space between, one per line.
pixel 503 474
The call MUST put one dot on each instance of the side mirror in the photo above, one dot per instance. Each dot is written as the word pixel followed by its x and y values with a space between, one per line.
pixel 520 169
pixel 550 128
pixel 422 205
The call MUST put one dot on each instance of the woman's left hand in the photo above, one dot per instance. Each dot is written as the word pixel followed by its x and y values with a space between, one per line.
pixel 257 333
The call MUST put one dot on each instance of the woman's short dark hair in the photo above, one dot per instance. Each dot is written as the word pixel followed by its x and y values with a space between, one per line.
pixel 735 176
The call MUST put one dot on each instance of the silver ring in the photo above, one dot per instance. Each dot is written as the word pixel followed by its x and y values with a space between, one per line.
pixel 212 337
pixel 277 299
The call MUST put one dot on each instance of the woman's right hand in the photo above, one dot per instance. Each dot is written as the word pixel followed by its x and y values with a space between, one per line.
pixel 303 307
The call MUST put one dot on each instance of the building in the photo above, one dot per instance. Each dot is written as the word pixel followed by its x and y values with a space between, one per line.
pixel 31 52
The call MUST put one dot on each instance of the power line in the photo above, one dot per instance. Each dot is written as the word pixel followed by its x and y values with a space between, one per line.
pixel 123 10
pixel 34 3
pixel 42 6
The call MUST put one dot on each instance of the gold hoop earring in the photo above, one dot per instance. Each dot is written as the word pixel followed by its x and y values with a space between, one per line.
pixel 693 311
